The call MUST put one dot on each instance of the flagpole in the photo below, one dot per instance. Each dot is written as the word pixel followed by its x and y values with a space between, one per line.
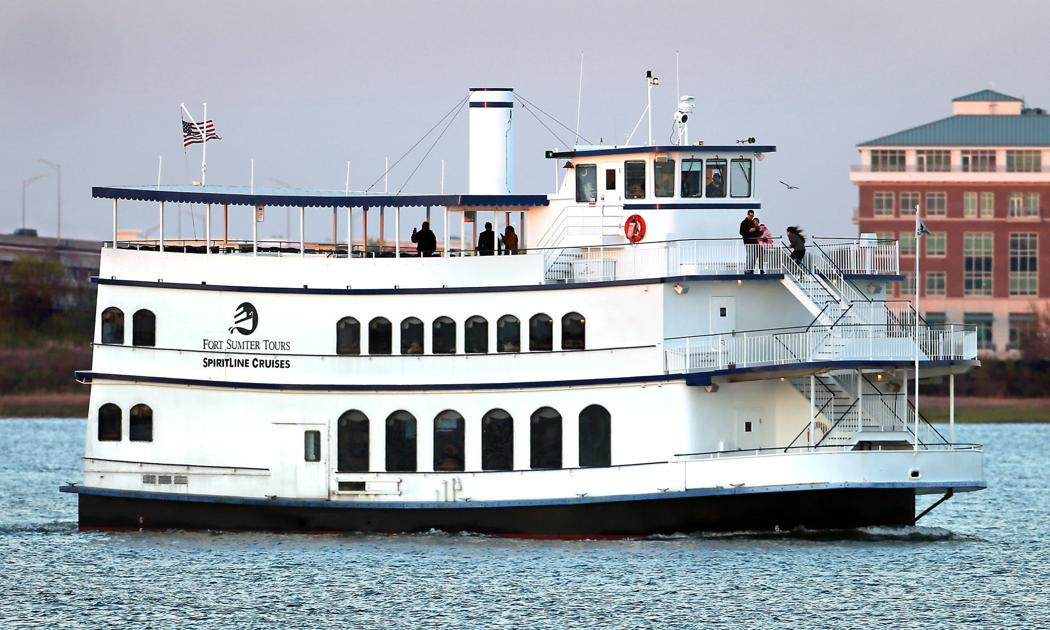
pixel 918 238
pixel 204 147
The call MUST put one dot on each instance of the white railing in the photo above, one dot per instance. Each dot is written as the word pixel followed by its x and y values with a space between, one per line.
pixel 860 256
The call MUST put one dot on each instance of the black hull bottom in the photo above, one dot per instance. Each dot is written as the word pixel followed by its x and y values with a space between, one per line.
pixel 811 509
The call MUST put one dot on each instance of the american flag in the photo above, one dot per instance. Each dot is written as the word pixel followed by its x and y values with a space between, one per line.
pixel 191 132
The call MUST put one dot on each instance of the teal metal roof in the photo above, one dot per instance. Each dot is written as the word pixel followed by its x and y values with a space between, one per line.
pixel 987 95
pixel 1027 130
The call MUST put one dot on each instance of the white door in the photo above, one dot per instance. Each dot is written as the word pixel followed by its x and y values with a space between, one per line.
pixel 299 460
pixel 723 315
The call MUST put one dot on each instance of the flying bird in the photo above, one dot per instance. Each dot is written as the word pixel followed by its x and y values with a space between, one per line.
pixel 789 186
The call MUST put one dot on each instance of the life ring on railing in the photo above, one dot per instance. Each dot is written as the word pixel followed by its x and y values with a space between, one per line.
pixel 822 430
pixel 634 228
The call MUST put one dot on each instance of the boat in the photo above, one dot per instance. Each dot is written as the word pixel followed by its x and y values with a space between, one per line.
pixel 613 360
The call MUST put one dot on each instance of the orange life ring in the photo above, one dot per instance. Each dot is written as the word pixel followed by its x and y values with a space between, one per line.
pixel 634 228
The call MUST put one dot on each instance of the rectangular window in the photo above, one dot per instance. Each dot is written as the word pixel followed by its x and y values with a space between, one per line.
pixel 977 263
pixel 1024 205
pixel 888 237
pixel 740 178
pixel 1023 161
pixel 936 320
pixel 908 286
pixel 987 205
pixel 1022 326
pixel 906 242
pixel 663 171
pixel 715 178
pixel 933 161
pixel 312 446
pixel 887 160
pixel 883 203
pixel 586 183
pixel 936 204
pixel 1024 263
pixel 908 202
pixel 692 170
pixel 935 283
pixel 634 179
pixel 970 205
pixel 983 322
pixel 978 161
pixel 936 244
pixel 610 179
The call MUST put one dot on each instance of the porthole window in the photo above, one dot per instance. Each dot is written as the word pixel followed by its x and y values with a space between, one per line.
pixel 595 436
pixel 545 439
pixel 352 438
pixel 312 446
pixel 448 441
pixel 348 336
pixel 411 336
pixel 497 441
pixel 379 334
pixel 541 332
pixel 573 335
pixel 109 423
pixel 140 424
pixel 401 442
pixel 444 333
pixel 143 328
pixel 112 325
pixel 476 335
pixel 508 334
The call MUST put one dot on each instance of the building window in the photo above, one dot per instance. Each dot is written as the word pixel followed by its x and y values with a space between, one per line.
pixel 411 336
pixel 740 178
pixel 983 322
pixel 113 325
pixel 140 424
pixel 715 178
pixel 692 169
pixel 379 333
pixel 634 179
pixel 541 332
pixel 352 437
pixel 1024 263
pixel 595 437
pixel 573 332
pixel 476 335
pixel 143 328
pixel 348 336
pixel 933 161
pixel 508 334
pixel 586 183
pixel 109 422
pixel 1023 160
pixel 1024 205
pixel 908 202
pixel 936 204
pixel 545 442
pixel 907 243
pixel 312 446
pixel 886 237
pixel 448 441
pixel 978 161
pixel 908 285
pixel 882 203
pixel 987 205
pixel 401 442
pixel 936 244
pixel 1022 327
pixel 497 441
pixel 444 334
pixel 935 283
pixel 977 263
pixel 887 160
pixel 663 172
pixel 936 320
pixel 970 205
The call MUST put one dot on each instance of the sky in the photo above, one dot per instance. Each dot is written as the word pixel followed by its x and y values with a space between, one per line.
pixel 304 87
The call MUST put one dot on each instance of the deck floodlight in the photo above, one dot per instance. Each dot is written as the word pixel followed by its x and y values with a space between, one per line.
pixel 680 288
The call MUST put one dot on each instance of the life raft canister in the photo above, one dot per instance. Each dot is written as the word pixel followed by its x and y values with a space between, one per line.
pixel 634 228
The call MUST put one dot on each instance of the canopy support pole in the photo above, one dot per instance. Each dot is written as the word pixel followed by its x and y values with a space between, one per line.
pixel 162 226
pixel 335 227
pixel 397 232
pixel 225 225
pixel 255 230
pixel 114 224
pixel 522 242
pixel 462 232
pixel 495 219
pixel 302 231
pixel 382 231
pixel 445 233
pixel 364 237
pixel 207 229
pixel 349 233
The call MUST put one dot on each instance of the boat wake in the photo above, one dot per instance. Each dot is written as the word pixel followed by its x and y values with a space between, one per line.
pixel 913 533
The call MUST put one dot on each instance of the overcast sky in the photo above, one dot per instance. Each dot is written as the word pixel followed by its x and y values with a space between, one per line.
pixel 303 87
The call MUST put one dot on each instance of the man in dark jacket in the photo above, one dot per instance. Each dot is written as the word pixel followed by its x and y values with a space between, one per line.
pixel 426 242
pixel 487 241
pixel 749 232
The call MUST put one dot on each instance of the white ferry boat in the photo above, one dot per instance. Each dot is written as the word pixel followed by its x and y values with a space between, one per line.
pixel 631 367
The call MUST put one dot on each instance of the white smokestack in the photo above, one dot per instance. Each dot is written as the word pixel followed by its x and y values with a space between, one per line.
pixel 491 141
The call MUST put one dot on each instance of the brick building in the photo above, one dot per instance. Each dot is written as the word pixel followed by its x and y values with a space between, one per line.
pixel 981 177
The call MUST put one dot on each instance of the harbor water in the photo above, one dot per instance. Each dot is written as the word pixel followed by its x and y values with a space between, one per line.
pixel 980 559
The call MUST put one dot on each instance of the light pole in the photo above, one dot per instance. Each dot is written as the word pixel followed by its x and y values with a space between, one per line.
pixel 58 172
pixel 25 184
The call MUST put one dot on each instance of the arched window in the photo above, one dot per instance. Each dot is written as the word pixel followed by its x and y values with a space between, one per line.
pixel 401 442
pixel 113 325
pixel 352 438
pixel 476 335
pixel 508 334
pixel 595 436
pixel 545 439
pixel 448 441
pixel 140 424
pixel 379 336
pixel 411 336
pixel 541 332
pixel 444 331
pixel 573 331
pixel 109 423
pixel 348 336
pixel 143 328
pixel 497 441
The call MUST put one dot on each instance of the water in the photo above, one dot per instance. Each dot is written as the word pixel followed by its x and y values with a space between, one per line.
pixel 978 560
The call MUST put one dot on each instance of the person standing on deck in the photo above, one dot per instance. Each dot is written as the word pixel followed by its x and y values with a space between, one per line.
pixel 510 241
pixel 487 241
pixel 749 232
pixel 426 242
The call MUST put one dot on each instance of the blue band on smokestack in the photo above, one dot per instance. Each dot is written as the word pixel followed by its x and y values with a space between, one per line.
pixel 492 104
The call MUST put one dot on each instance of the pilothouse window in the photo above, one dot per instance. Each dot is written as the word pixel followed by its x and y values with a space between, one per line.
pixel 740 179
pixel 411 336
pixel 634 179
pixel 143 328
pixel 691 171
pixel 379 336
pixel 586 183
pixel 112 325
pixel 715 178
pixel 348 336
pixel 664 176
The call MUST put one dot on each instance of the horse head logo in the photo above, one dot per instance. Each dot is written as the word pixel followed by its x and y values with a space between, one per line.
pixel 245 313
